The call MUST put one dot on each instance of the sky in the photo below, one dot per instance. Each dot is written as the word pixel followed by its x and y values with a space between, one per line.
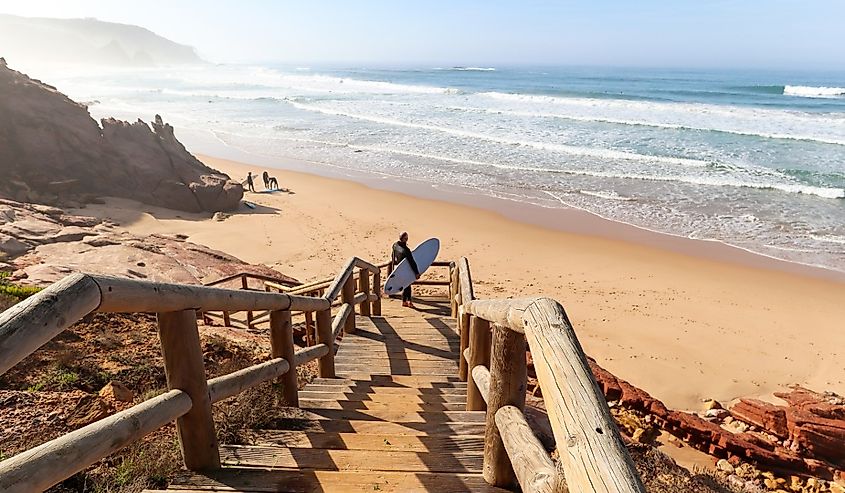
pixel 784 34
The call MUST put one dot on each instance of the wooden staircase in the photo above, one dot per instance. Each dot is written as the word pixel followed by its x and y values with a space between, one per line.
pixel 393 420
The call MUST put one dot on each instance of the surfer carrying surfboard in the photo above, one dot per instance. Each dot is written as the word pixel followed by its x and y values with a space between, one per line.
pixel 402 252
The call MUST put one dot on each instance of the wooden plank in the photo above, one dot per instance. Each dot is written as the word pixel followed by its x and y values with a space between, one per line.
pixel 387 390
pixel 381 427
pixel 356 371
pixel 405 380
pixel 385 398
pixel 403 406
pixel 592 454
pixel 344 460
pixel 357 441
pixel 385 415
pixel 382 354
pixel 252 480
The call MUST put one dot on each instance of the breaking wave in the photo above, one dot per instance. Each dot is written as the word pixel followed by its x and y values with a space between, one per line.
pixel 813 92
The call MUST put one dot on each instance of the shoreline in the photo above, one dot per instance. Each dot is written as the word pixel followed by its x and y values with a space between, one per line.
pixel 565 219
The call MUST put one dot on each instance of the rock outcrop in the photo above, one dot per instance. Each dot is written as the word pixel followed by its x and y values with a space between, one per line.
pixel 41 244
pixel 53 152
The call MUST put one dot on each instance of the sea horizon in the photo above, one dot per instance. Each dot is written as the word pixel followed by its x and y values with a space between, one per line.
pixel 754 159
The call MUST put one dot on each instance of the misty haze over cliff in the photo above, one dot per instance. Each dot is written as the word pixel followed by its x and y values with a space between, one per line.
pixel 30 40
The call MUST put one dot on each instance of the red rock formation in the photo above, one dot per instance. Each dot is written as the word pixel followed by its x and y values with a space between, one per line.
pixel 53 152
pixel 812 423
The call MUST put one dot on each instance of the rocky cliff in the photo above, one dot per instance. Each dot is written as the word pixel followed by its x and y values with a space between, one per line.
pixel 53 152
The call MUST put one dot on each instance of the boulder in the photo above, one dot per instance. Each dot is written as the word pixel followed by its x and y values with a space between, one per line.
pixel 54 152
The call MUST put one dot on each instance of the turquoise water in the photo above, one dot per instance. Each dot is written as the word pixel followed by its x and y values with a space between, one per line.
pixel 752 159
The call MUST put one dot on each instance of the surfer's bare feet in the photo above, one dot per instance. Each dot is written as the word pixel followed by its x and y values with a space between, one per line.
pixel 411 305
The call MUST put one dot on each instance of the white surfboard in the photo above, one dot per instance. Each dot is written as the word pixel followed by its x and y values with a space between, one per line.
pixel 403 276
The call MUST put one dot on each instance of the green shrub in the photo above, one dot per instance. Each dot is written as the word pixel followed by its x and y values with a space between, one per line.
pixel 15 291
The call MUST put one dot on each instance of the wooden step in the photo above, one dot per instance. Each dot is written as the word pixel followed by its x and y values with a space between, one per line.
pixel 357 371
pixel 397 381
pixel 366 389
pixel 397 360
pixel 383 415
pixel 256 480
pixel 403 406
pixel 358 441
pixel 381 427
pixel 383 397
pixel 344 460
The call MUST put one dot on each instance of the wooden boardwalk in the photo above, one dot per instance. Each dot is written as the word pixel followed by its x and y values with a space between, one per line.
pixel 393 420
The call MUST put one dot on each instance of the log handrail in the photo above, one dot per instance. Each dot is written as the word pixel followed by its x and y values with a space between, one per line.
pixel 35 321
pixel 592 455
pixel 242 275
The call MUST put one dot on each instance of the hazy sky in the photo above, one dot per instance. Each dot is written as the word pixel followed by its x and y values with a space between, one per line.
pixel 656 33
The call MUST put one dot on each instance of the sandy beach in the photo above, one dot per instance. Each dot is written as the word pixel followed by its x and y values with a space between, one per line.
pixel 680 319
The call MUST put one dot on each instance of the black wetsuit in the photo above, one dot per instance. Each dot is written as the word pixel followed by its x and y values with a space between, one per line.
pixel 249 184
pixel 400 253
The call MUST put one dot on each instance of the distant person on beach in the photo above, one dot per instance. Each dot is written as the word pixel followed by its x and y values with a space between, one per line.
pixel 400 253
pixel 266 177
pixel 249 184
pixel 274 183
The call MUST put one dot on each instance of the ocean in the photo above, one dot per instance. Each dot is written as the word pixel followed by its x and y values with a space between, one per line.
pixel 754 159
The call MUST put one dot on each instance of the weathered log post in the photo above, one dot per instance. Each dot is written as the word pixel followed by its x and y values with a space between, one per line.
pixel 245 285
pixel 508 376
pixel 348 296
pixel 479 349
pixel 281 346
pixel 463 330
pixel 326 336
pixel 377 292
pixel 309 328
pixel 185 370
pixel 453 289
pixel 364 277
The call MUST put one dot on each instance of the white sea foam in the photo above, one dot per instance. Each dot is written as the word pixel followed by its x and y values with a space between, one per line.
pixel 611 195
pixel 766 123
pixel 814 92
pixel 648 123
pixel 562 148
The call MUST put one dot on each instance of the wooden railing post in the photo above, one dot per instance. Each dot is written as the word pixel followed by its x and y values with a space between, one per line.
pixel 508 375
pixel 453 289
pixel 364 276
pixel 309 329
pixel 281 346
pixel 377 292
pixel 245 285
pixel 325 336
pixel 348 296
pixel 479 348
pixel 463 330
pixel 185 370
